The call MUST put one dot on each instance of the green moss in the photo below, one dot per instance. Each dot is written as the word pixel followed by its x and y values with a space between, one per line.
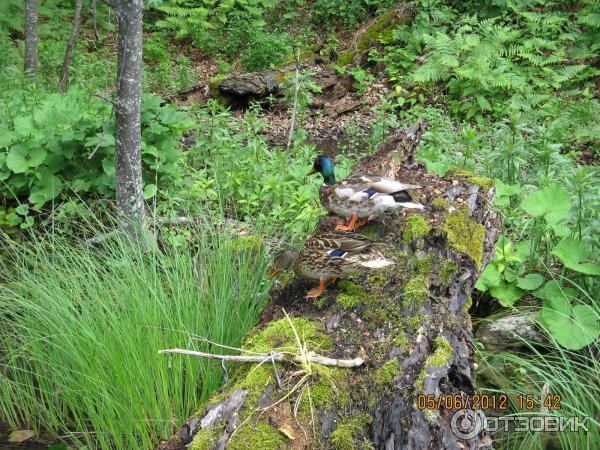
pixel 279 335
pixel 440 357
pixel 442 354
pixel 416 321
pixel 206 438
pixel 258 377
pixel 342 438
pixel 345 58
pixel 375 30
pixel 306 55
pixel 448 269
pixel 353 295
pixel 376 279
pixel 422 266
pixel 376 316
pixel 465 235
pixel 483 182
pixel 467 304
pixel 386 373
pixel 343 400
pixel 416 289
pixel 370 230
pixel 259 437
pixel 401 341
pixel 382 27
pixel 415 226
pixel 350 288
pixel 328 390
pixel 348 301
pixel 322 300
pixel 439 203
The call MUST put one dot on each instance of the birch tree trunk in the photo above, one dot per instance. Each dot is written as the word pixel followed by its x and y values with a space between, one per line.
pixel 64 74
pixel 31 38
pixel 128 163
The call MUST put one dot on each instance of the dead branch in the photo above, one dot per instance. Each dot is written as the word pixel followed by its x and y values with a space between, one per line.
pixel 277 357
pixel 64 74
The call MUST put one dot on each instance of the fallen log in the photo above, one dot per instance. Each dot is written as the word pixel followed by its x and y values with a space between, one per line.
pixel 409 324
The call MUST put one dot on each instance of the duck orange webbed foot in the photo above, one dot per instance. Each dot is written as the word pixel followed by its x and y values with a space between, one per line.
pixel 316 292
pixel 353 224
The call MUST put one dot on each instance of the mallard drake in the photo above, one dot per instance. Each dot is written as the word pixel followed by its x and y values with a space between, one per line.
pixel 360 196
pixel 329 256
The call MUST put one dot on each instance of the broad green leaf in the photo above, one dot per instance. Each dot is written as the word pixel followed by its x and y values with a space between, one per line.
pixel 552 203
pixel 36 157
pixel 506 293
pixel 572 327
pixel 488 278
pixel 560 229
pixel 530 282
pixel 575 255
pixel 523 249
pixel 47 188
pixel 23 125
pixel 504 192
pixel 16 160
pixel 12 219
pixel 22 210
pixel 511 274
pixel 108 164
pixel 20 158
pixel 29 221
pixel 554 289
pixel 4 170
pixel 7 137
pixel 505 253
pixel 150 191
pixel 438 167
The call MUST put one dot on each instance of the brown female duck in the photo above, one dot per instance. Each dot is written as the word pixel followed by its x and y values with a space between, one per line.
pixel 329 256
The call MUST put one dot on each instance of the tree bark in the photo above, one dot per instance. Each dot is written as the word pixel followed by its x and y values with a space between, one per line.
pixel 95 21
pixel 409 323
pixel 64 74
pixel 31 38
pixel 128 163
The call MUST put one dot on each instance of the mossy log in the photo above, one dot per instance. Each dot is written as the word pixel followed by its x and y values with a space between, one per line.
pixel 410 324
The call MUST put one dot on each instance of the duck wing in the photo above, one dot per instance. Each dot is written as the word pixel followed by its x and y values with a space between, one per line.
pixel 358 184
pixel 339 244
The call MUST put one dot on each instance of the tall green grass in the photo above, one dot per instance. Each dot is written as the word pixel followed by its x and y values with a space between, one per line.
pixel 548 367
pixel 82 325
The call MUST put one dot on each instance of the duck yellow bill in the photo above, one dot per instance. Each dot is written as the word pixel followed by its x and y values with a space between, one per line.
pixel 311 171
pixel 274 273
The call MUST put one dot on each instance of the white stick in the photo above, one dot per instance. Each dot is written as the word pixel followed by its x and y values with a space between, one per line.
pixel 295 108
pixel 278 357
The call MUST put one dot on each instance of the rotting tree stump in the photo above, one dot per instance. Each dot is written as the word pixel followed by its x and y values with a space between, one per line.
pixel 409 322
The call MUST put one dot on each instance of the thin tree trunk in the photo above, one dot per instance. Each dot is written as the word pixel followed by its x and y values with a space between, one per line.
pixel 128 163
pixel 64 75
pixel 295 107
pixel 31 38
pixel 94 21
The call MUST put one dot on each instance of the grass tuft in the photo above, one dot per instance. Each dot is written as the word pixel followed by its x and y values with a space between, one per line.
pixel 82 326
